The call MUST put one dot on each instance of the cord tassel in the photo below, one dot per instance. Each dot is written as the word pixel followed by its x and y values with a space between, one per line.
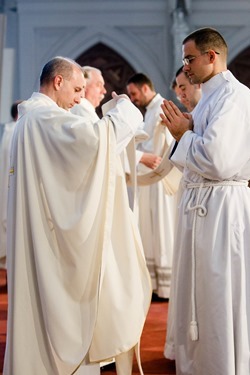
pixel 194 330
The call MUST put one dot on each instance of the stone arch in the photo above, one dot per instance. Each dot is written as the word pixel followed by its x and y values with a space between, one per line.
pixel 239 53
pixel 137 55
pixel 240 66
pixel 237 41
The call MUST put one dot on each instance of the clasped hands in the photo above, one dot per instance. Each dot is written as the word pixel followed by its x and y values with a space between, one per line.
pixel 176 121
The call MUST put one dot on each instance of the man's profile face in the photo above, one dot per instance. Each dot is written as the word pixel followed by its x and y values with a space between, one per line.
pixel 199 69
pixel 95 90
pixel 136 95
pixel 187 91
pixel 70 92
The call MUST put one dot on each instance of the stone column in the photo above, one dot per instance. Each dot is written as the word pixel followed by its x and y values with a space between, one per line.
pixel 179 30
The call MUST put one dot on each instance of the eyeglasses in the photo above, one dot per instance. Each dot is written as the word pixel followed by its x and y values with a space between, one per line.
pixel 189 60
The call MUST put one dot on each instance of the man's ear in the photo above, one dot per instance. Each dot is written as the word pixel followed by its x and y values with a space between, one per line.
pixel 144 88
pixel 212 55
pixel 58 81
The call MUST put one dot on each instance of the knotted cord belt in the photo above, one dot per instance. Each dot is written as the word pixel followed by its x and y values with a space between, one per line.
pixel 200 209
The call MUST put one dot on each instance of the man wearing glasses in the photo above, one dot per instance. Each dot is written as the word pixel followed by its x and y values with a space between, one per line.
pixel 210 294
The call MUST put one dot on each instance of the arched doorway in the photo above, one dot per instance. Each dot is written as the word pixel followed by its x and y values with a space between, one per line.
pixel 115 69
pixel 240 67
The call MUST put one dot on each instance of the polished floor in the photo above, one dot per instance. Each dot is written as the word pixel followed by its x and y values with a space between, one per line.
pixel 152 342
pixel 3 315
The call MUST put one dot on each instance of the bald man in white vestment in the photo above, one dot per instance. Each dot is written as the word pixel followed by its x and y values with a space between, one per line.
pixel 78 285
pixel 210 294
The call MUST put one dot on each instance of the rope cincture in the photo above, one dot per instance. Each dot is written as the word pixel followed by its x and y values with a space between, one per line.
pixel 200 210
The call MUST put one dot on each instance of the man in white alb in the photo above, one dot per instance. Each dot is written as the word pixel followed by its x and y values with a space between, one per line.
pixel 210 294
pixel 157 208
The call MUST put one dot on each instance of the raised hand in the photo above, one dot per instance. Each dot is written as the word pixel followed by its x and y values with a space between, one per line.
pixel 121 96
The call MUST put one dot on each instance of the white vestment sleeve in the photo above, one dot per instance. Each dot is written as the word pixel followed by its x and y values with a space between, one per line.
pixel 130 116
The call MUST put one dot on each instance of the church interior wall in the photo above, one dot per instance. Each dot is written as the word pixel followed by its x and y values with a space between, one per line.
pixel 140 31
pixel 230 17
pixel 141 37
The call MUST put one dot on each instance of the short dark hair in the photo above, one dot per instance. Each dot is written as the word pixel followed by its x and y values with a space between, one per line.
pixel 208 38
pixel 173 84
pixel 140 79
pixel 14 109
pixel 179 71
pixel 58 65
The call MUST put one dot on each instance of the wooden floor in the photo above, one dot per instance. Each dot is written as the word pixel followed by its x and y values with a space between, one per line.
pixel 3 315
pixel 152 341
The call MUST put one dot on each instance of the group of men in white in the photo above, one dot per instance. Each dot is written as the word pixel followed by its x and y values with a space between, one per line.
pixel 156 197
pixel 104 260
pixel 156 201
